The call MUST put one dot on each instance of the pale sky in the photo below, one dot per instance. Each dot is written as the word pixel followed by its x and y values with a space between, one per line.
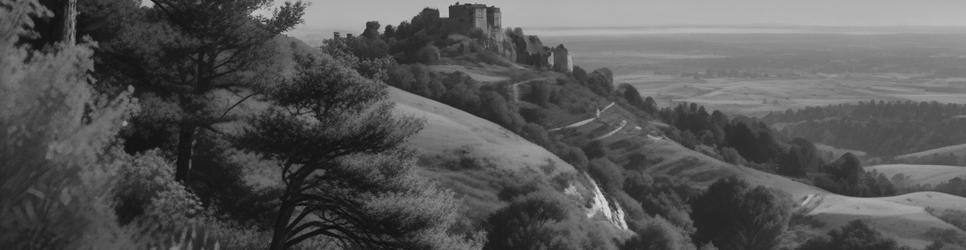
pixel 352 14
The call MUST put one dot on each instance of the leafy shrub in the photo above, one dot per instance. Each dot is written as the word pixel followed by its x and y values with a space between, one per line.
pixel 56 133
pixel 595 149
pixel 573 155
pixel 538 116
pixel 428 54
pixel 608 175
pixel 536 134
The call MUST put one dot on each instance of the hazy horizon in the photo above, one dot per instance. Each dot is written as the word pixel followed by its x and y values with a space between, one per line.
pixel 349 16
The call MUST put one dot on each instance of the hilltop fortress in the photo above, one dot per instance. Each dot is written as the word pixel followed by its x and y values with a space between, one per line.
pixel 470 28
pixel 468 18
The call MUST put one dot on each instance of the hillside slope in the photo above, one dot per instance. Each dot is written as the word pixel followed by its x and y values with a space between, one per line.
pixel 477 158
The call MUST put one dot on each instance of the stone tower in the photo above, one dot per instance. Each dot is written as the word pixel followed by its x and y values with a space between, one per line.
pixel 562 61
pixel 494 17
pixel 466 17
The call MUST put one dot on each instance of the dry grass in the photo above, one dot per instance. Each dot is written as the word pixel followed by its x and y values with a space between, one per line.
pixel 958 150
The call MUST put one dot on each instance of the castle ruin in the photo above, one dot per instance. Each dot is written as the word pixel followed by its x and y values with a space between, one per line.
pixel 467 17
pixel 561 59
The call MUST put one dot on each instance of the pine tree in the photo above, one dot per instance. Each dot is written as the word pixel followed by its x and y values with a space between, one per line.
pixel 182 53
pixel 346 175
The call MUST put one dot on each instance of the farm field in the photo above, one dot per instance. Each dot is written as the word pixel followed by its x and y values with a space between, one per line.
pixel 758 97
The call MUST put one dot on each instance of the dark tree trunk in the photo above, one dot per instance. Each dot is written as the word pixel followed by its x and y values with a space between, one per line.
pixel 186 140
pixel 69 27
pixel 285 211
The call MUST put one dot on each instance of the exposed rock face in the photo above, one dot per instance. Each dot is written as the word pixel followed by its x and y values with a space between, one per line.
pixel 598 205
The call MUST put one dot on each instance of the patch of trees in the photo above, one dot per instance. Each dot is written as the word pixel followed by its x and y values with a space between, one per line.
pixel 878 127
pixel 656 208
pixel 633 97
pixel 847 176
pixel 740 140
pixel 748 140
pixel 601 81
pixel 854 236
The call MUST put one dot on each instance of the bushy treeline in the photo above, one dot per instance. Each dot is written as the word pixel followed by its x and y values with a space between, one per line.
pixel 908 126
pixel 854 236
pixel 744 140
pixel 955 186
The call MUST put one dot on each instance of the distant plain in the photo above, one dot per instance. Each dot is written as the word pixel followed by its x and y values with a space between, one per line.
pixel 753 71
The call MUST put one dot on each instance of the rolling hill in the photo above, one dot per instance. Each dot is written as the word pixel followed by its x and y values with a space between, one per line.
pixel 903 217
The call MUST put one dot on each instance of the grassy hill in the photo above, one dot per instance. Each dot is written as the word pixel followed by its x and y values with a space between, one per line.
pixel 921 174
pixel 477 159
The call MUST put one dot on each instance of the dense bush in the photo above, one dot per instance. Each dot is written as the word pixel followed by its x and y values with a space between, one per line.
pixel 601 81
pixel 662 197
pixel 634 98
pixel 732 215
pixel 544 220
pixel 573 155
pixel 538 116
pixel 494 107
pixel 847 176
pixel 536 134
pixel 540 93
pixel 609 176
pixel 595 149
